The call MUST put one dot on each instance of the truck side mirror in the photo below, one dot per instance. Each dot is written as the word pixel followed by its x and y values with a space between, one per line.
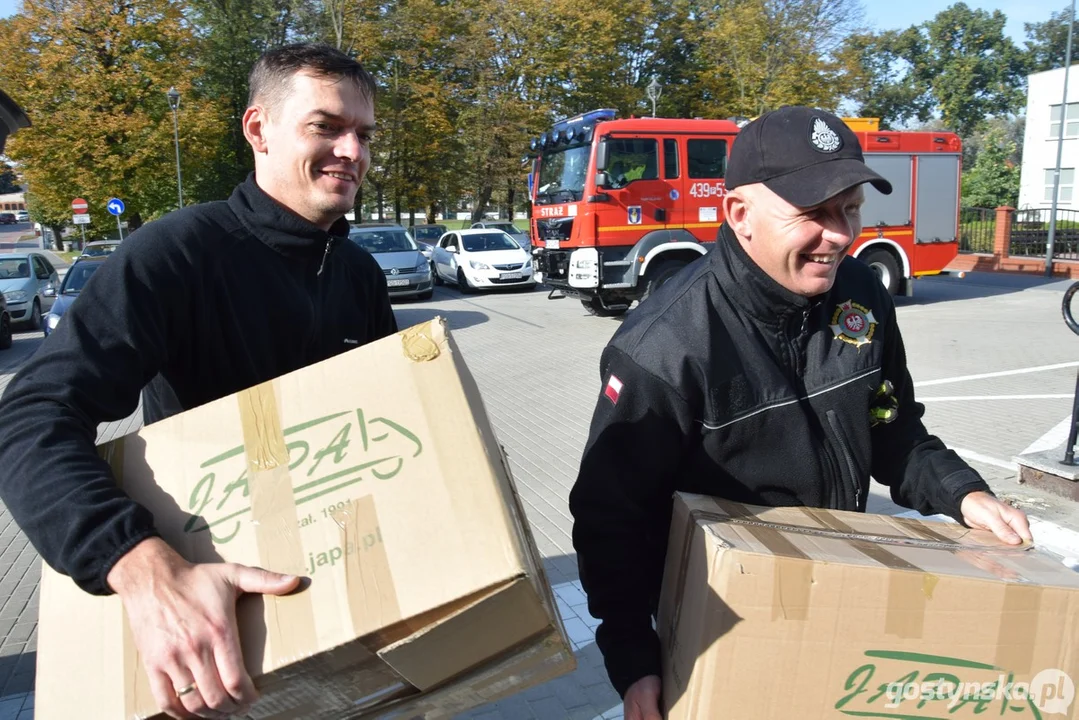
pixel 603 180
pixel 602 152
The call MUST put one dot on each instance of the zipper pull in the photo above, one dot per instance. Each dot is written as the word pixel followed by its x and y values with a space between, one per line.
pixel 329 244
pixel 805 318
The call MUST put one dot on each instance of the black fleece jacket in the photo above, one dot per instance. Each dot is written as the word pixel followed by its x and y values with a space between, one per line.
pixel 726 384
pixel 207 301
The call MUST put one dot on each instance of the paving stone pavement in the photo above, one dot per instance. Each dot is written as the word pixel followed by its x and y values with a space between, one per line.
pixel 536 363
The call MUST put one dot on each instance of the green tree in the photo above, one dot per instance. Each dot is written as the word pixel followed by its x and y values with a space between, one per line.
pixel 8 182
pixel 1006 130
pixel 1047 42
pixel 994 178
pixel 883 85
pixel 778 52
pixel 93 75
pixel 231 35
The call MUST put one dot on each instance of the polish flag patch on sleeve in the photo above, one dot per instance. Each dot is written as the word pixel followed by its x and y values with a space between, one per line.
pixel 613 389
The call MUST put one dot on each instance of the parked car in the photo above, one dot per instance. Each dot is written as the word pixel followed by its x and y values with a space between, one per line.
pixel 7 218
pixel 474 259
pixel 22 216
pixel 74 281
pixel 427 233
pixel 5 324
pixel 521 236
pixel 29 283
pixel 100 248
pixel 408 274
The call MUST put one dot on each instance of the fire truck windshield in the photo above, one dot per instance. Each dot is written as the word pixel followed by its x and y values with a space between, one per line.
pixel 562 174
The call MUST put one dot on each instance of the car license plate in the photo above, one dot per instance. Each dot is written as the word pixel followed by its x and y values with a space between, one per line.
pixel 510 276
pixel 397 283
pixel 552 244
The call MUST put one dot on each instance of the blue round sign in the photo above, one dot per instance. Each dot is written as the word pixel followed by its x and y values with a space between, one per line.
pixel 674 194
pixel 115 207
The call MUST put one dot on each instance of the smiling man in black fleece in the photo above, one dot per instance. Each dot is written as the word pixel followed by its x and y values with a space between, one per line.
pixel 205 302
pixel 770 372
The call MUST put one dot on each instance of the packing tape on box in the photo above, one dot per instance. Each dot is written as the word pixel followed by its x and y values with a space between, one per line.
pixel 138 692
pixel 908 592
pixel 371 592
pixel 1018 628
pixel 275 521
pixel 422 342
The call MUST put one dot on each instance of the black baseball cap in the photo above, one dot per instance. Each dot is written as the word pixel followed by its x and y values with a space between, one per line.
pixel 802 154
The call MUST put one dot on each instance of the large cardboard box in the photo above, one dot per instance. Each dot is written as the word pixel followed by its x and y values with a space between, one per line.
pixel 803 613
pixel 376 475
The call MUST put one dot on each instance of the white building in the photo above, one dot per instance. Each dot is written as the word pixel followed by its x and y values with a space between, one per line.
pixel 1044 121
pixel 12 201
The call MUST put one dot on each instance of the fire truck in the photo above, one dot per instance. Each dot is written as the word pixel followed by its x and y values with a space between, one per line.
pixel 619 206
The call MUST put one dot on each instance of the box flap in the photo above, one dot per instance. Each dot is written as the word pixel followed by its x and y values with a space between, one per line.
pixel 495 621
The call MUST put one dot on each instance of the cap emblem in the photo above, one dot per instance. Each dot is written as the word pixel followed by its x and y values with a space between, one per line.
pixel 824 138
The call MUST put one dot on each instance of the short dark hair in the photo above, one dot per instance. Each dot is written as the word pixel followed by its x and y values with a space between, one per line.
pixel 272 75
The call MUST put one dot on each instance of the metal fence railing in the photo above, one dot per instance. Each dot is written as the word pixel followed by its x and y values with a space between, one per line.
pixel 1030 233
pixel 976 229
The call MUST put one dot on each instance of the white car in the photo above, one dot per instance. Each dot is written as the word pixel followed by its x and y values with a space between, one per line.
pixel 476 259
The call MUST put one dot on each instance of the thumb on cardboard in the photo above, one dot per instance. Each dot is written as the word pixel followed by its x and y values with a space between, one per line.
pixel 264 582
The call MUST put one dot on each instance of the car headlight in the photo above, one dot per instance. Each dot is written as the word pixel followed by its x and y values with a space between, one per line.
pixel 528 265
pixel 477 265
pixel 52 321
pixel 15 296
pixel 423 267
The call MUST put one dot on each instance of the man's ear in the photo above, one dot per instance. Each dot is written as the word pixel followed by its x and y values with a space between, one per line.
pixel 254 125
pixel 736 209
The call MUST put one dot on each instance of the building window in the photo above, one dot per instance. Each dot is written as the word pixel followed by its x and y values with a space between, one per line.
pixel 1067 181
pixel 1071 122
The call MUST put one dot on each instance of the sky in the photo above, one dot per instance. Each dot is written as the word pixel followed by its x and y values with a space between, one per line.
pixel 891 14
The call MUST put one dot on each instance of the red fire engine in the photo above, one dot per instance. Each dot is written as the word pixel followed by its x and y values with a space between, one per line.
pixel 621 205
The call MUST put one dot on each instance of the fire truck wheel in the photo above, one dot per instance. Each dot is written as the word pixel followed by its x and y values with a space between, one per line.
pixel 660 274
pixel 887 269
pixel 595 307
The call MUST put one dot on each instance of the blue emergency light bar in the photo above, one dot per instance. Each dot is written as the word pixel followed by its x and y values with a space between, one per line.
pixel 577 129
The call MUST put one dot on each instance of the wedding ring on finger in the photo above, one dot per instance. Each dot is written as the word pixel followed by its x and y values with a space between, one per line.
pixel 180 692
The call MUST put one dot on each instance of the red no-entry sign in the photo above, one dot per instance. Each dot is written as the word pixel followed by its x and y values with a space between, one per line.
pixel 79 206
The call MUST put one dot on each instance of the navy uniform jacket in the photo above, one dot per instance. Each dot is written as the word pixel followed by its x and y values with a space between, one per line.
pixel 725 383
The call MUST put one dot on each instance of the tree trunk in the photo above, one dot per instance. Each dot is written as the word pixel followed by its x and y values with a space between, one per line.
pixel 482 198
pixel 381 197
pixel 397 208
pixel 511 194
pixel 432 212
pixel 357 206
pixel 57 238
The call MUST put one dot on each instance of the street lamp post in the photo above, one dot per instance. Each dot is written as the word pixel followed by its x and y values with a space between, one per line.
pixel 654 90
pixel 174 103
pixel 1060 149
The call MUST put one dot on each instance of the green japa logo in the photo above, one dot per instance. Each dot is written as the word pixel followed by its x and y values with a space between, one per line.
pixel 915 685
pixel 326 454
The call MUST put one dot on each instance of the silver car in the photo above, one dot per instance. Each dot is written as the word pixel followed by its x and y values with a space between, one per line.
pixel 29 283
pixel 408 273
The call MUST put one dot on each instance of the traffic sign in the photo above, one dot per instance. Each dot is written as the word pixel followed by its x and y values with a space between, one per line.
pixel 80 206
pixel 80 219
pixel 116 207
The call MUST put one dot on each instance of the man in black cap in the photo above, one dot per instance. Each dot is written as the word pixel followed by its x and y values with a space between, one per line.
pixel 770 372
